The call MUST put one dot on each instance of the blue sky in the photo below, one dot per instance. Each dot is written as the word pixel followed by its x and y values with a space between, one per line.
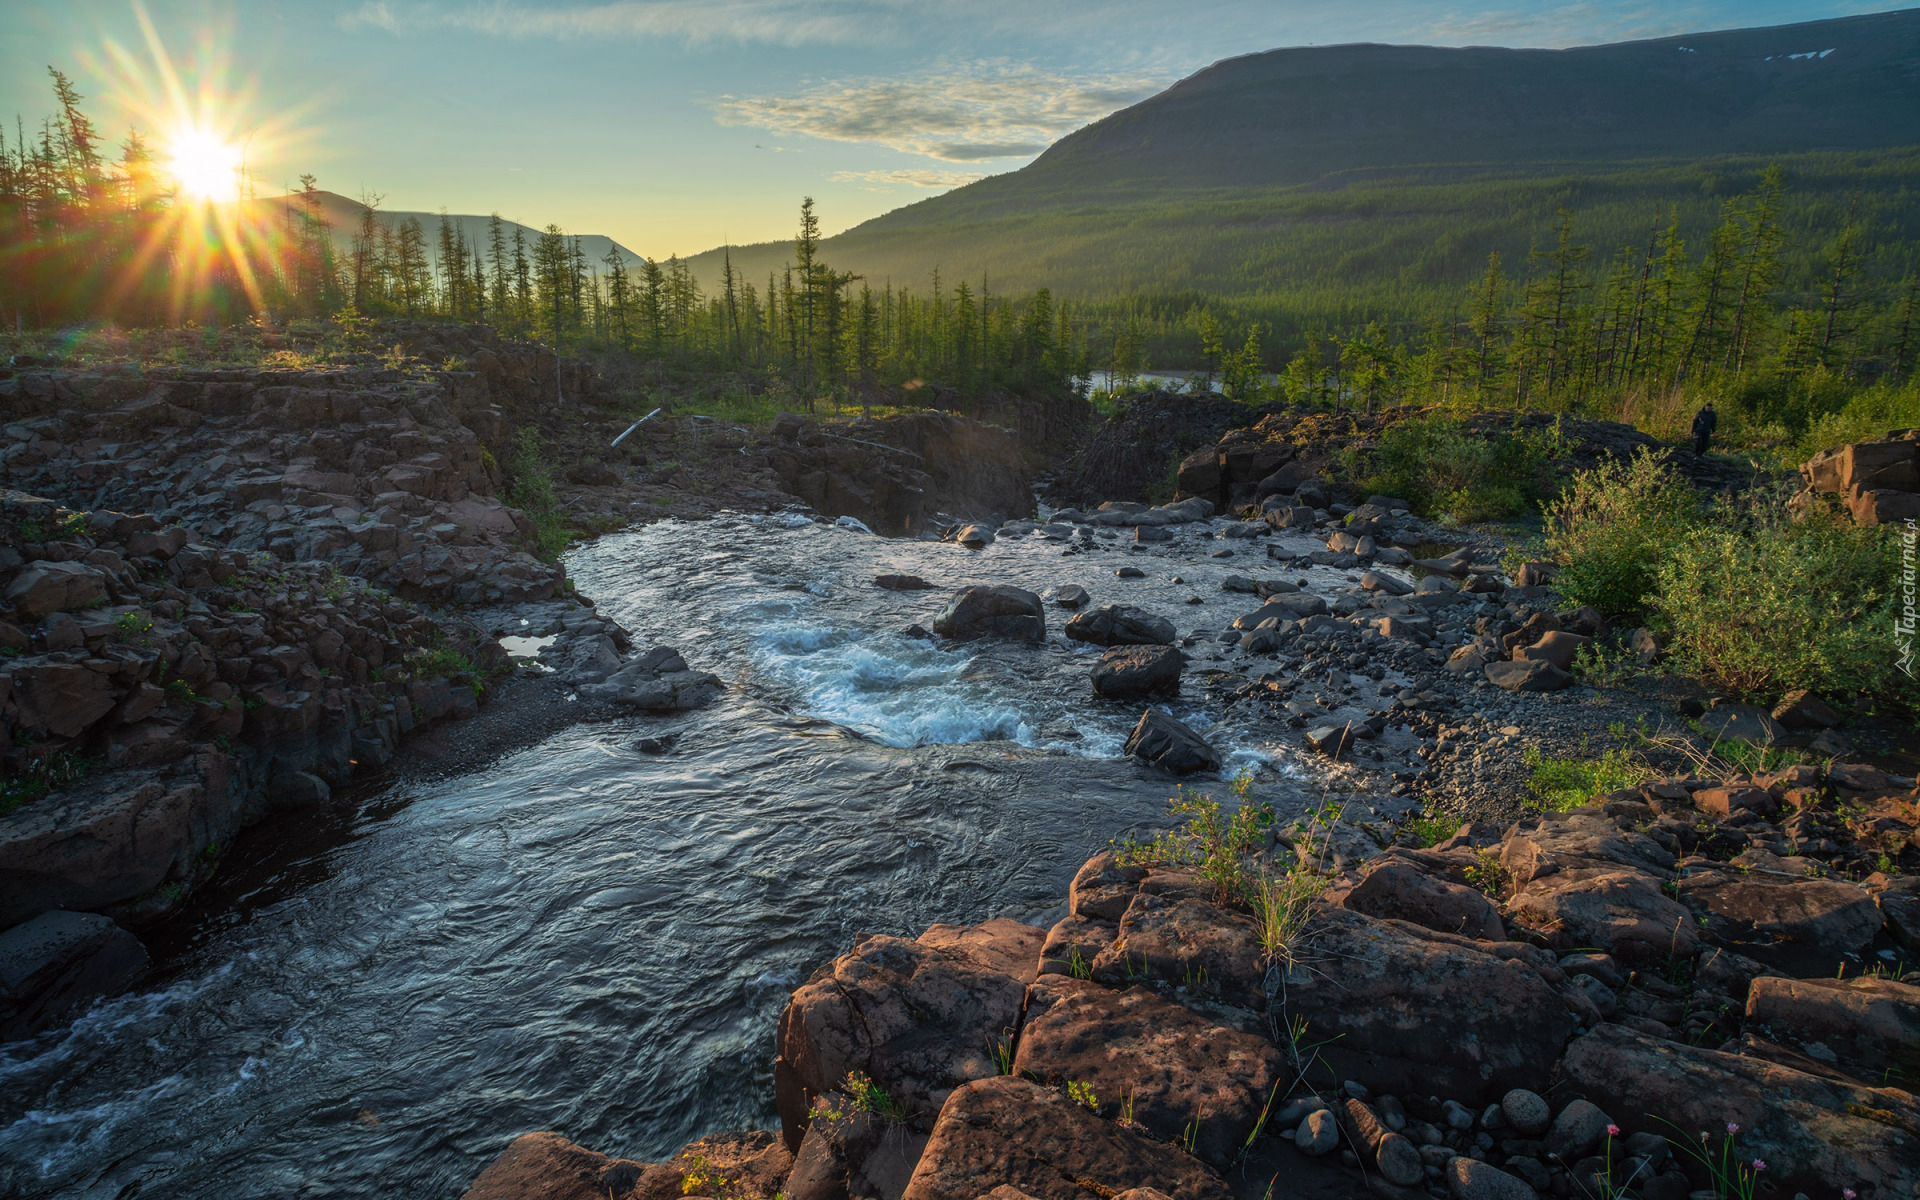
pixel 674 125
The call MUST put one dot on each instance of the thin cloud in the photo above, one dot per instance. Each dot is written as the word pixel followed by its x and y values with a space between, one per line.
pixel 886 181
pixel 374 14
pixel 985 111
pixel 1578 24
pixel 778 22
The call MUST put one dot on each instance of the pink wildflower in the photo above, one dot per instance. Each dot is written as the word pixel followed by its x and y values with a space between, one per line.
pixel 1732 1128
pixel 1849 1194
pixel 1613 1131
pixel 1759 1165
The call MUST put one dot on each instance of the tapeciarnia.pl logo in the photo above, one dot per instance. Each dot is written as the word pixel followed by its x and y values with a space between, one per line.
pixel 1905 621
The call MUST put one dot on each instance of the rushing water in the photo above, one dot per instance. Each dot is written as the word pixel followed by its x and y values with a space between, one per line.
pixel 586 938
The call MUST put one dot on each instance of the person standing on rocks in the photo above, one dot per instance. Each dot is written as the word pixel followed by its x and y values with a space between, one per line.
pixel 1704 423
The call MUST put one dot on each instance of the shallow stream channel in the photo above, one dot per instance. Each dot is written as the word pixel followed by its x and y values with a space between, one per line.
pixel 585 937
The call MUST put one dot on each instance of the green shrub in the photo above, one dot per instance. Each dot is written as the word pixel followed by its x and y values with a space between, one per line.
pixel 531 490
pixel 1558 784
pixel 1440 466
pixel 1612 527
pixel 1758 603
pixel 1866 416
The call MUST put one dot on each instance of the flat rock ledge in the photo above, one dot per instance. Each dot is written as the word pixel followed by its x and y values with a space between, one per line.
pixel 1584 1001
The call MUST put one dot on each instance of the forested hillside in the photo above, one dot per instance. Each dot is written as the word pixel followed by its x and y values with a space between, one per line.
pixel 1333 185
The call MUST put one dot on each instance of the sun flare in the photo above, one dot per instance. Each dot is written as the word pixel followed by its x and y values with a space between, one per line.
pixel 206 166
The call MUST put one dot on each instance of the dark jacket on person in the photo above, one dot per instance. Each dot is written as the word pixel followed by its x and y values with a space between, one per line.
pixel 1704 422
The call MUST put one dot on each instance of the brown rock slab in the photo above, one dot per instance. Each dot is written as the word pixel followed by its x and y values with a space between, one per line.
pixel 848 1153
pixel 1867 1023
pixel 917 1017
pixel 1528 676
pixel 1007 612
pixel 1804 928
pixel 546 1166
pixel 1073 943
pixel 1126 672
pixel 1418 1012
pixel 1014 1132
pixel 1398 889
pixel 1815 1134
pixel 55 965
pixel 1181 1074
pixel 1622 912
pixel 1102 888
pixel 43 588
pixel 1558 647
pixel 1185 941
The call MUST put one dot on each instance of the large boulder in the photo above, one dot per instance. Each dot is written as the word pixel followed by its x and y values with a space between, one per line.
pixel 1741 723
pixel 1622 912
pixel 1014 1132
pixel 1176 1072
pixel 658 681
pixel 917 1017
pixel 1414 1012
pixel 997 611
pixel 1187 941
pixel 1528 675
pixel 1200 474
pixel 1868 466
pixel 1396 888
pixel 43 588
pixel 55 965
pixel 1815 1134
pixel 1168 743
pixel 112 838
pixel 1120 625
pixel 1866 1023
pixel 58 698
pixel 1557 647
pixel 1127 672
pixel 546 1166
pixel 1804 927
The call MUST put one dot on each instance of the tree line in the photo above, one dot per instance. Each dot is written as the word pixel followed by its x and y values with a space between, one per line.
pixel 1570 332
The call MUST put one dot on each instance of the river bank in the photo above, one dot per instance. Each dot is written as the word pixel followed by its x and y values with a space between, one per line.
pixel 584 904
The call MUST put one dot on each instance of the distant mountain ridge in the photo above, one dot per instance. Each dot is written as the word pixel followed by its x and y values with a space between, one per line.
pixel 343 217
pixel 1230 155
pixel 1297 115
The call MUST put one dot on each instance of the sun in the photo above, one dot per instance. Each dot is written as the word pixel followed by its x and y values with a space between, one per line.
pixel 205 165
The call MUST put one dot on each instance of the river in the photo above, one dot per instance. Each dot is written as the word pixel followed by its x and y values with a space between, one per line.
pixel 583 937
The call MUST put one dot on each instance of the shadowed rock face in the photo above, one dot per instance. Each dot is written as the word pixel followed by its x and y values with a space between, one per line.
pixel 916 1017
pixel 1174 1071
pixel 1000 611
pixel 56 964
pixel 1415 1009
pixel 1015 1132
pixel 1809 1131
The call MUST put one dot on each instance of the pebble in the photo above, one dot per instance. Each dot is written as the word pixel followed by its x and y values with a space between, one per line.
pixel 1458 1115
pixel 1578 1130
pixel 1318 1134
pixel 1526 1111
pixel 1392 1114
pixel 1471 1179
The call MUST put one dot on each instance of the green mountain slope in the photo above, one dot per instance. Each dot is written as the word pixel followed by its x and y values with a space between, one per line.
pixel 1376 178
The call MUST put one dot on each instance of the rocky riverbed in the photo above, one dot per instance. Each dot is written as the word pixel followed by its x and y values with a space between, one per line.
pixel 251 617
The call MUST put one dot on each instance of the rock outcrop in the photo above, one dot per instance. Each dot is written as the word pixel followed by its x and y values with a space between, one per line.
pixel 1162 1040
pixel 1878 482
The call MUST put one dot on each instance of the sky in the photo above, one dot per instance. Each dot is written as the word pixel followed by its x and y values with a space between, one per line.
pixel 678 125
